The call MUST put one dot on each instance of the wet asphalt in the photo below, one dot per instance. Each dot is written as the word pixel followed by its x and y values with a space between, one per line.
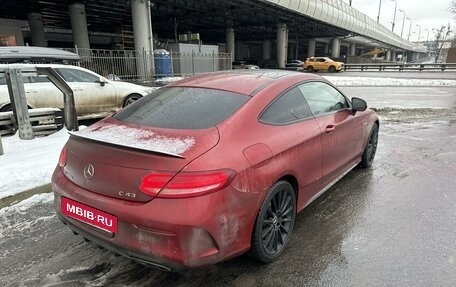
pixel 391 225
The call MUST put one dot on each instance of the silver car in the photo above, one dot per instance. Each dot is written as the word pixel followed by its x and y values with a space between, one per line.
pixel 95 95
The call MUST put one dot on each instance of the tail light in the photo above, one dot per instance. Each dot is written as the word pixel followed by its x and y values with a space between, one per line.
pixel 63 157
pixel 185 184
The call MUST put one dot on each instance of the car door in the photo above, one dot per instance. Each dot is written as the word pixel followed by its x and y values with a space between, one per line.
pixel 41 93
pixel 341 131
pixel 295 140
pixel 90 95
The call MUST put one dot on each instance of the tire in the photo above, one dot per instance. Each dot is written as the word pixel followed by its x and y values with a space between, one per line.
pixel 6 108
pixel 332 69
pixel 274 223
pixel 310 69
pixel 369 151
pixel 130 99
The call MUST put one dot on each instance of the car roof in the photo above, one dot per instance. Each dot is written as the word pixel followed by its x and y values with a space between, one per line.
pixel 14 54
pixel 242 81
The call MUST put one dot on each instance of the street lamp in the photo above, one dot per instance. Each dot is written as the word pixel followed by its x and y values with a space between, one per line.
pixel 379 8
pixel 394 17
pixel 403 21
pixel 410 28
pixel 427 37
pixel 419 32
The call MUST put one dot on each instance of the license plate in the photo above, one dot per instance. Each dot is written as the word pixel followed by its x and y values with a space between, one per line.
pixel 89 215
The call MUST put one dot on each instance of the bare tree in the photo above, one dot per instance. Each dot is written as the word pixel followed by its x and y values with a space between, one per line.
pixel 441 37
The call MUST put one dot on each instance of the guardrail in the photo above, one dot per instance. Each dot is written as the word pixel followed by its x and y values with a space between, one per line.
pixel 401 67
pixel 44 121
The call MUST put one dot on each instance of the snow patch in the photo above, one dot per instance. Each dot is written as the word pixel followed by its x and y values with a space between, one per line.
pixel 366 81
pixel 29 163
pixel 9 215
pixel 137 138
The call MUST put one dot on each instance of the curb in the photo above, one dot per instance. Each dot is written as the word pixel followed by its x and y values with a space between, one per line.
pixel 16 198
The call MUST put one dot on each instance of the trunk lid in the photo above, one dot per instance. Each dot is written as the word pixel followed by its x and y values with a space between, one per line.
pixel 111 157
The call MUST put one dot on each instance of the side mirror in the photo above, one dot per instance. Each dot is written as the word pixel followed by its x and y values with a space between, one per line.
pixel 358 105
pixel 102 82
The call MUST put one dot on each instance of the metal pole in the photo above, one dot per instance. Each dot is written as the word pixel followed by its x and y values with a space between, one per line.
pixel 379 8
pixel 419 32
pixel 403 21
pixel 15 83
pixel 394 17
pixel 410 28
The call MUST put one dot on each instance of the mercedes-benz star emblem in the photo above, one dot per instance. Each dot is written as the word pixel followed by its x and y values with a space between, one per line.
pixel 89 171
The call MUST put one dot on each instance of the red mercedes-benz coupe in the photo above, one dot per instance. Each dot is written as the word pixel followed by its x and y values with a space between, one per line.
pixel 211 167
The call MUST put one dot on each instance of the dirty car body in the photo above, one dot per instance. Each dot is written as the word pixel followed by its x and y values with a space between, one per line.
pixel 237 155
pixel 95 96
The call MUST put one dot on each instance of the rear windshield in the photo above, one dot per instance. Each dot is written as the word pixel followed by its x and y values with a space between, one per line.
pixel 183 108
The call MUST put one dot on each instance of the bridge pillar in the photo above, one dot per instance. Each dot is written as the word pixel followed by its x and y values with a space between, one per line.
pixel 79 25
pixel 230 40
pixel 282 43
pixel 393 56
pixel 143 39
pixel 37 30
pixel 266 49
pixel 311 48
pixel 335 51
pixel 352 50
pixel 388 55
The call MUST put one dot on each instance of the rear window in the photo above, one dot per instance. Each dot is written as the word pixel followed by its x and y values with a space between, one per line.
pixel 183 108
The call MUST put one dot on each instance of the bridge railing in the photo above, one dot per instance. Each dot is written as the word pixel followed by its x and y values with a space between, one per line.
pixel 401 67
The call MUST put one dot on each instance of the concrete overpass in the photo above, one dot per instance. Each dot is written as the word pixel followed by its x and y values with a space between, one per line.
pixel 245 28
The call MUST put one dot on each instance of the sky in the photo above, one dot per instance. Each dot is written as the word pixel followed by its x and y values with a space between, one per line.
pixel 429 14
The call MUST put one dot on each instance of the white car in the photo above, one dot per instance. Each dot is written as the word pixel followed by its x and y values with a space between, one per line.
pixel 94 95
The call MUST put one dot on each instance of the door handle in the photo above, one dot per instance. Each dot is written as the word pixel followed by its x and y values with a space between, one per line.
pixel 330 128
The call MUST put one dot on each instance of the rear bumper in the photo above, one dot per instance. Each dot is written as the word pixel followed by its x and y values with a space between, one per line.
pixel 169 234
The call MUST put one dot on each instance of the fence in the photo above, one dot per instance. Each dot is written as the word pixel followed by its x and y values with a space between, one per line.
pixel 131 65
pixel 401 67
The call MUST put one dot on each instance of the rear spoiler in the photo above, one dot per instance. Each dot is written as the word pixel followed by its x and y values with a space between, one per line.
pixel 107 141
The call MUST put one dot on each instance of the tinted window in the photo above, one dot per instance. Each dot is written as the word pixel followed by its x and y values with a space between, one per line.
pixel 74 75
pixel 322 98
pixel 289 107
pixel 183 108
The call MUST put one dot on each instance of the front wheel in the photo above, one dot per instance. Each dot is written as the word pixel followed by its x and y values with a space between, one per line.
pixel 130 99
pixel 332 69
pixel 371 148
pixel 310 69
pixel 274 223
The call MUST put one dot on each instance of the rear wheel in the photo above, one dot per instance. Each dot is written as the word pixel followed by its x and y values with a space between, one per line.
pixel 332 69
pixel 310 69
pixel 371 148
pixel 274 223
pixel 130 99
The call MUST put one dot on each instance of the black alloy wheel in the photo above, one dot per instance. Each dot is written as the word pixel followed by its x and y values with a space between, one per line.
pixel 371 148
pixel 274 223
pixel 332 69
pixel 310 69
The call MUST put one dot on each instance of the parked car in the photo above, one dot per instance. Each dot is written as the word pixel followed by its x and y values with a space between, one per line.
pixel 244 65
pixel 315 64
pixel 95 95
pixel 295 64
pixel 211 167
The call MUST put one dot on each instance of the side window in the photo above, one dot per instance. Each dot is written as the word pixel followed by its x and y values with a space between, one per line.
pixel 39 80
pixel 322 98
pixel 74 75
pixel 287 108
